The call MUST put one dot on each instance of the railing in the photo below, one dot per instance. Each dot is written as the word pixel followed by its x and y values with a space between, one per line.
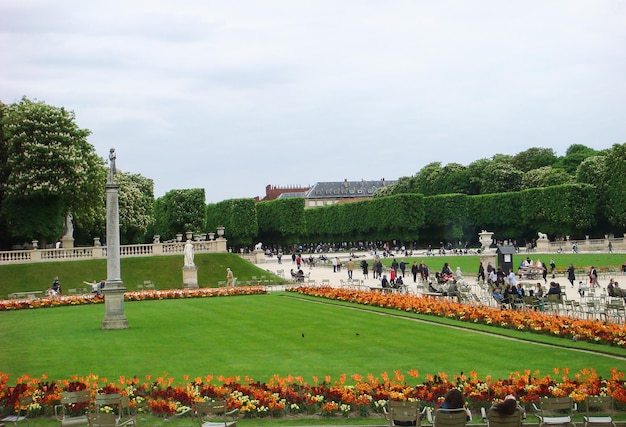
pixel 596 245
pixel 99 252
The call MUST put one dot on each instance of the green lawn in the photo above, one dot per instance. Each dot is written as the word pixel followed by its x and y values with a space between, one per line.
pixel 164 271
pixel 260 336
pixel 469 263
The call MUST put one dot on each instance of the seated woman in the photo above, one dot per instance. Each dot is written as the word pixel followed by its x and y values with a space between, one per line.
pixel 454 400
pixel 555 289
pixel 508 406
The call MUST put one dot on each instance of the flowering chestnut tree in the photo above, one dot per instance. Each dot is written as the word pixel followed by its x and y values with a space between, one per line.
pixel 49 170
pixel 136 199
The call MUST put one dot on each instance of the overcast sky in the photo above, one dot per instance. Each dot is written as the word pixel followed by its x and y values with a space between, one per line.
pixel 233 95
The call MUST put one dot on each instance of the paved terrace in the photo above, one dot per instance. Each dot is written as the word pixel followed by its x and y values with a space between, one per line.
pixel 323 273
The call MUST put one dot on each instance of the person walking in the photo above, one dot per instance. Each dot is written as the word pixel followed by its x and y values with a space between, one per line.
pixel 593 277
pixel 365 268
pixel 415 270
pixel 571 276
pixel 350 268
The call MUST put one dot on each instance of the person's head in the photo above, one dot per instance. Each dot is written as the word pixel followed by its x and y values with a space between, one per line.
pixel 538 285
pixel 507 406
pixel 454 398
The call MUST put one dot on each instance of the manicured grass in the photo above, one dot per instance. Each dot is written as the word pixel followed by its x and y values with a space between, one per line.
pixel 469 263
pixel 164 271
pixel 260 336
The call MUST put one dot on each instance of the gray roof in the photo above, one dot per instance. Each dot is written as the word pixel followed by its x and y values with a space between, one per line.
pixel 291 195
pixel 346 189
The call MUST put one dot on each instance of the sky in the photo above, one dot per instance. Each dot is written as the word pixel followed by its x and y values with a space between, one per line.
pixel 231 96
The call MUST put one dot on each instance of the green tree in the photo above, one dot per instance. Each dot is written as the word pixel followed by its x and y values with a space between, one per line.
pixel 136 201
pixel 533 158
pixel 51 170
pixel 615 188
pixel 545 176
pixel 574 156
pixel 404 185
pixel 4 174
pixel 453 179
pixel 501 177
pixel 476 175
pixel 238 217
pixel 427 177
pixel 179 211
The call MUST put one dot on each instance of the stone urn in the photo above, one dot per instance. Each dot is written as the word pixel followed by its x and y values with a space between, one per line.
pixel 486 239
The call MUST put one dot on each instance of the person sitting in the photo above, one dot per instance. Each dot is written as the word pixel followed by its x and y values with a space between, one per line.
pixel 56 286
pixel 298 276
pixel 508 406
pixel 618 292
pixel 499 297
pixel 454 400
pixel 385 283
pixel 399 283
pixel 610 288
pixel 555 289
pixel 432 289
pixel 510 293
pixel 94 286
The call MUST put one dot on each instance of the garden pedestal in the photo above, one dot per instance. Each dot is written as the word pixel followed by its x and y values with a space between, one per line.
pixel 190 277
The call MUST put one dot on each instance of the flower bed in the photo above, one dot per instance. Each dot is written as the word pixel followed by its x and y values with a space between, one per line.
pixel 356 396
pixel 292 395
pixel 20 304
pixel 530 321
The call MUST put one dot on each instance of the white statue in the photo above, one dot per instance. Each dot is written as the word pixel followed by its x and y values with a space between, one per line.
pixel 69 226
pixel 189 254
pixel 258 247
pixel 542 236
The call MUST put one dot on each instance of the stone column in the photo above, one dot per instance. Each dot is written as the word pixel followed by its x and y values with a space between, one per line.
pixel 114 317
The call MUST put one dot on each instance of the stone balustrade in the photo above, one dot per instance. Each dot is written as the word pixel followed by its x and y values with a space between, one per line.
pixel 100 252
